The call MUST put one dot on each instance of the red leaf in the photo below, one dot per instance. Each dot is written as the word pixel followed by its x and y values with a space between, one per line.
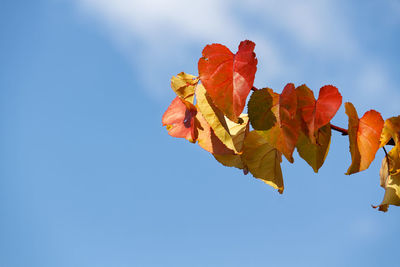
pixel 317 113
pixel 180 119
pixel 227 77
pixel 328 103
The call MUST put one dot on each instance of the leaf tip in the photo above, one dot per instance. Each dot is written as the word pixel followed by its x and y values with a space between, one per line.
pixel 382 207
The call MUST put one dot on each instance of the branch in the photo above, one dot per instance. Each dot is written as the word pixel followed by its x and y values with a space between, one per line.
pixel 339 129
pixel 346 132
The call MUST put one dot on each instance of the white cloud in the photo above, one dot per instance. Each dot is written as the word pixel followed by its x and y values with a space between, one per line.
pixel 315 24
pixel 168 30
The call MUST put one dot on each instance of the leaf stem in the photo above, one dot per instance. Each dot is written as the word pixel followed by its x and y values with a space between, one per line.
pixel 387 159
pixel 339 129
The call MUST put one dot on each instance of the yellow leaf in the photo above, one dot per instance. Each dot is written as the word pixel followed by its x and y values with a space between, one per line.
pixel 214 117
pixel 208 140
pixel 238 132
pixel 391 129
pixel 390 179
pixel 263 161
pixel 315 152
pixel 184 85
pixel 230 160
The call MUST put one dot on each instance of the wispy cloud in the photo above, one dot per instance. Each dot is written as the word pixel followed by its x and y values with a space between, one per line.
pixel 168 31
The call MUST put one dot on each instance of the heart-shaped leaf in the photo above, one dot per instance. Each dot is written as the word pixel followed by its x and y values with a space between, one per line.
pixel 364 135
pixel 315 152
pixel 227 77
pixel 318 113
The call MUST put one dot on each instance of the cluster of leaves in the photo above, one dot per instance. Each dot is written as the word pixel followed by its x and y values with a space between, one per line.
pixel 208 110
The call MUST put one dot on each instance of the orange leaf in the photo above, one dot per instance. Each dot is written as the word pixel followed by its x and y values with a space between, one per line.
pixel 277 113
pixel 364 137
pixel 227 77
pixel 317 113
pixel 180 119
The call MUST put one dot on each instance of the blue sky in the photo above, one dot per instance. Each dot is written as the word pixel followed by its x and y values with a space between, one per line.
pixel 88 177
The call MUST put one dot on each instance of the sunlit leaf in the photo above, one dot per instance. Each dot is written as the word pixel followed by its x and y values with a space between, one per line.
pixel 318 113
pixel 208 140
pixel 275 115
pixel 180 119
pixel 227 77
pixel 263 161
pixel 364 137
pixel 391 130
pixel 390 179
pixel 214 117
pixel 239 132
pixel 314 152
pixel 183 85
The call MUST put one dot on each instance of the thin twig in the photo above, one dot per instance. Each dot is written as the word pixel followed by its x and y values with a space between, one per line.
pixel 339 129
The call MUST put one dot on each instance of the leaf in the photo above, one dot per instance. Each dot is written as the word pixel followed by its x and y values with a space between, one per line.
pixel 239 132
pixel 277 113
pixel 263 161
pixel 390 179
pixel 390 169
pixel 314 152
pixel 391 130
pixel 318 113
pixel 184 85
pixel 214 117
pixel 208 140
pixel 364 137
pixel 260 107
pixel 227 77
pixel 180 119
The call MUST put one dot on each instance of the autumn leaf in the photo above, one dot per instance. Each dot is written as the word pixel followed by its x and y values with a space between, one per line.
pixel 364 135
pixel 277 114
pixel 239 132
pixel 180 119
pixel 214 117
pixel 391 130
pixel 390 169
pixel 390 179
pixel 314 151
pixel 263 160
pixel 208 140
pixel 227 77
pixel 318 113
pixel 184 85
pixel 260 106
